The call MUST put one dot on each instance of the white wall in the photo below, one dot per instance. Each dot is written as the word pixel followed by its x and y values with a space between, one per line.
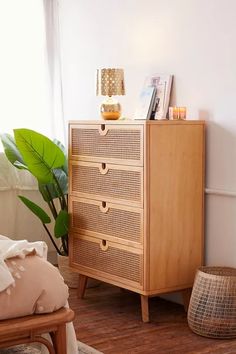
pixel 193 39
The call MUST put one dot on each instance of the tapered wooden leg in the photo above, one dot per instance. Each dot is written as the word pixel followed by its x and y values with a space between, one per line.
pixel 186 294
pixel 82 285
pixel 144 308
pixel 60 340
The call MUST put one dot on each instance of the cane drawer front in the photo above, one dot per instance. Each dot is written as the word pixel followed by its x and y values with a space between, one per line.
pixel 117 222
pixel 101 181
pixel 108 259
pixel 104 142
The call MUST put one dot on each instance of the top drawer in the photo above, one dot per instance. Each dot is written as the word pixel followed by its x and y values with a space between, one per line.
pixel 106 143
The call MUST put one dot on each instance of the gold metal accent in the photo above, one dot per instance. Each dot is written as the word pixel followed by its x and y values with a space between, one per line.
pixel 110 82
pixel 110 109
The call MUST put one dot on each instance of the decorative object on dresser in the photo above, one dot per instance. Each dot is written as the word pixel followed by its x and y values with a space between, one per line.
pixel 110 82
pixel 177 112
pixel 136 195
pixel 146 102
pixel 163 84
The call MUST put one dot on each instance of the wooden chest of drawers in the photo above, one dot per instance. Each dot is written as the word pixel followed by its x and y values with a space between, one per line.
pixel 136 196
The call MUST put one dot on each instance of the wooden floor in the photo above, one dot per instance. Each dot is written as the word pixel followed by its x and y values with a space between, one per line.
pixel 109 320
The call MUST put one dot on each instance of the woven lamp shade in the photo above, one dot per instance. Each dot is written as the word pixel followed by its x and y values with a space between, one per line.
pixel 212 308
pixel 110 82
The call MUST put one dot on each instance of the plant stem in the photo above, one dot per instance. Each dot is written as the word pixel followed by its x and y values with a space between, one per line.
pixel 51 203
pixel 54 209
pixel 64 244
pixel 64 204
pixel 61 204
pixel 51 238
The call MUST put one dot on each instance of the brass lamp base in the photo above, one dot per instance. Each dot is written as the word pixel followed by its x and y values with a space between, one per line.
pixel 110 109
pixel 110 115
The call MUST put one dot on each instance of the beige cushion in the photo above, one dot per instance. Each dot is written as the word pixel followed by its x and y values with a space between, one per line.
pixel 39 288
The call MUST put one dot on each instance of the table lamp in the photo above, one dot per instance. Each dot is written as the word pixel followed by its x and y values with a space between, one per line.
pixel 110 82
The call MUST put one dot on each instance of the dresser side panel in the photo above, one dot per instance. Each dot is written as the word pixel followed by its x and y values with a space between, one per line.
pixel 176 195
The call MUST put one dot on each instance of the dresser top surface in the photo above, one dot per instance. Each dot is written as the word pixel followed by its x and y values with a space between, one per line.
pixel 138 122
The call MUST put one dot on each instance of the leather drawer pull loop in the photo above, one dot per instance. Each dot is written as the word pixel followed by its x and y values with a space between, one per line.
pixel 104 245
pixel 103 130
pixel 103 207
pixel 103 169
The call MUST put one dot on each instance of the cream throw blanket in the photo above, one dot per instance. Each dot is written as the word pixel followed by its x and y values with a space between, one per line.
pixel 11 248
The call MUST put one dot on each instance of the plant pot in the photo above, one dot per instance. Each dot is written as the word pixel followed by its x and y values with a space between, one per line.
pixel 71 278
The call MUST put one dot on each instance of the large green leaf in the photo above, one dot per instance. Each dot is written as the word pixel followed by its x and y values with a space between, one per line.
pixel 12 152
pixel 37 210
pixel 62 179
pixel 39 153
pixel 61 224
pixel 50 191
pixel 62 147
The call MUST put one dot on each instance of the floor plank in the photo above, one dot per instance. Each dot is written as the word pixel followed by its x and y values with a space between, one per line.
pixel 109 320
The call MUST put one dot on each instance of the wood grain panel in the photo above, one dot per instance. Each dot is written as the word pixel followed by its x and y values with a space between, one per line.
pixel 176 203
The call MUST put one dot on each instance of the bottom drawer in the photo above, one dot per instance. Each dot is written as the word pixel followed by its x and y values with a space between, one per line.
pixel 108 258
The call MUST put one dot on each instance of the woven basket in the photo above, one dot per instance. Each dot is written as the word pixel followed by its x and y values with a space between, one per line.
pixel 71 278
pixel 212 308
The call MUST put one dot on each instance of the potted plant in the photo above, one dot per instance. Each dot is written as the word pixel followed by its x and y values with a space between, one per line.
pixel 46 160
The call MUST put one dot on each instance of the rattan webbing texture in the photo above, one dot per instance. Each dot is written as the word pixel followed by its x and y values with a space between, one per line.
pixel 117 143
pixel 115 222
pixel 119 184
pixel 114 261
pixel 212 308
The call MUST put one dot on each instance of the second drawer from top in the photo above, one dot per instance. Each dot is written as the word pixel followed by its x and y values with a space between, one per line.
pixel 107 182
